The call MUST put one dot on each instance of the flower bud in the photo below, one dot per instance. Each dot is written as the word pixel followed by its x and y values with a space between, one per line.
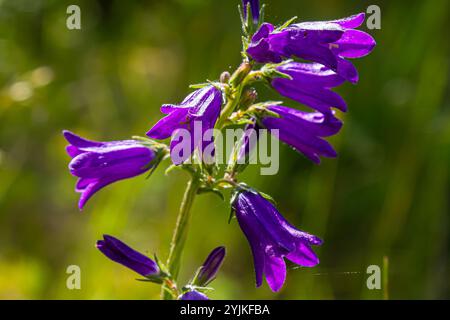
pixel 210 267
pixel 225 77
pixel 240 74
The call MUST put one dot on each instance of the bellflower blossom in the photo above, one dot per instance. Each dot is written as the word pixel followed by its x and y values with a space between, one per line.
pixel 303 131
pixel 119 252
pixel 310 85
pixel 98 164
pixel 200 109
pixel 272 239
pixel 254 6
pixel 325 42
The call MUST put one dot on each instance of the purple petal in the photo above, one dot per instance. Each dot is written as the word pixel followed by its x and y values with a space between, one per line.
pixel 193 295
pixel 254 6
pixel 275 271
pixel 351 22
pixel 305 142
pixel 184 141
pixel 303 255
pixel 83 183
pixel 91 188
pixel 319 31
pixel 347 70
pixel 78 141
pixel 112 160
pixel 268 217
pixel 207 103
pixel 253 232
pixel 164 128
pixel 73 151
pixel 261 52
pixel 264 45
pixel 248 142
pixel 316 123
pixel 318 98
pixel 307 48
pixel 354 44
pixel 312 74
pixel 263 32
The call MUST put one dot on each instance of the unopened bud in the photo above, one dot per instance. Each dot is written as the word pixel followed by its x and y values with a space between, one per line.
pixel 248 98
pixel 210 267
pixel 225 77
pixel 240 74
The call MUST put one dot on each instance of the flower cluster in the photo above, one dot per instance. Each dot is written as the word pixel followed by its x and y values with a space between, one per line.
pixel 324 42
pixel 322 50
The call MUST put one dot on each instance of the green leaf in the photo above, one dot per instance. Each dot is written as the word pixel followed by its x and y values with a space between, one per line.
pixel 199 85
pixel 286 24
pixel 152 280
pixel 268 197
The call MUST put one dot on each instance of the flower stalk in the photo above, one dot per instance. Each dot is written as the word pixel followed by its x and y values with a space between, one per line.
pixel 180 233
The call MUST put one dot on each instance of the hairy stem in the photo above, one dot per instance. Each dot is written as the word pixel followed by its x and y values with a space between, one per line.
pixel 238 81
pixel 180 234
pixel 228 109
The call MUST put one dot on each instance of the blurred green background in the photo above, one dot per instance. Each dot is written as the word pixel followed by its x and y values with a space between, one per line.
pixel 386 195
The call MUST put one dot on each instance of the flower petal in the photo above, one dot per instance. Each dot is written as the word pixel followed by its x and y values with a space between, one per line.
pixel 275 271
pixel 206 104
pixel 268 217
pixel 318 31
pixel 111 161
pixel 73 151
pixel 354 44
pixel 347 70
pixel 312 74
pixel 253 232
pixel 318 98
pixel 78 141
pixel 311 146
pixel 164 128
pixel 193 295
pixel 316 123
pixel 303 255
pixel 92 188
pixel 351 22
pixel 263 32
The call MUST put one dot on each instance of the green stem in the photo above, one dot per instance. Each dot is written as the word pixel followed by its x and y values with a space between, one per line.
pixel 229 108
pixel 180 233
